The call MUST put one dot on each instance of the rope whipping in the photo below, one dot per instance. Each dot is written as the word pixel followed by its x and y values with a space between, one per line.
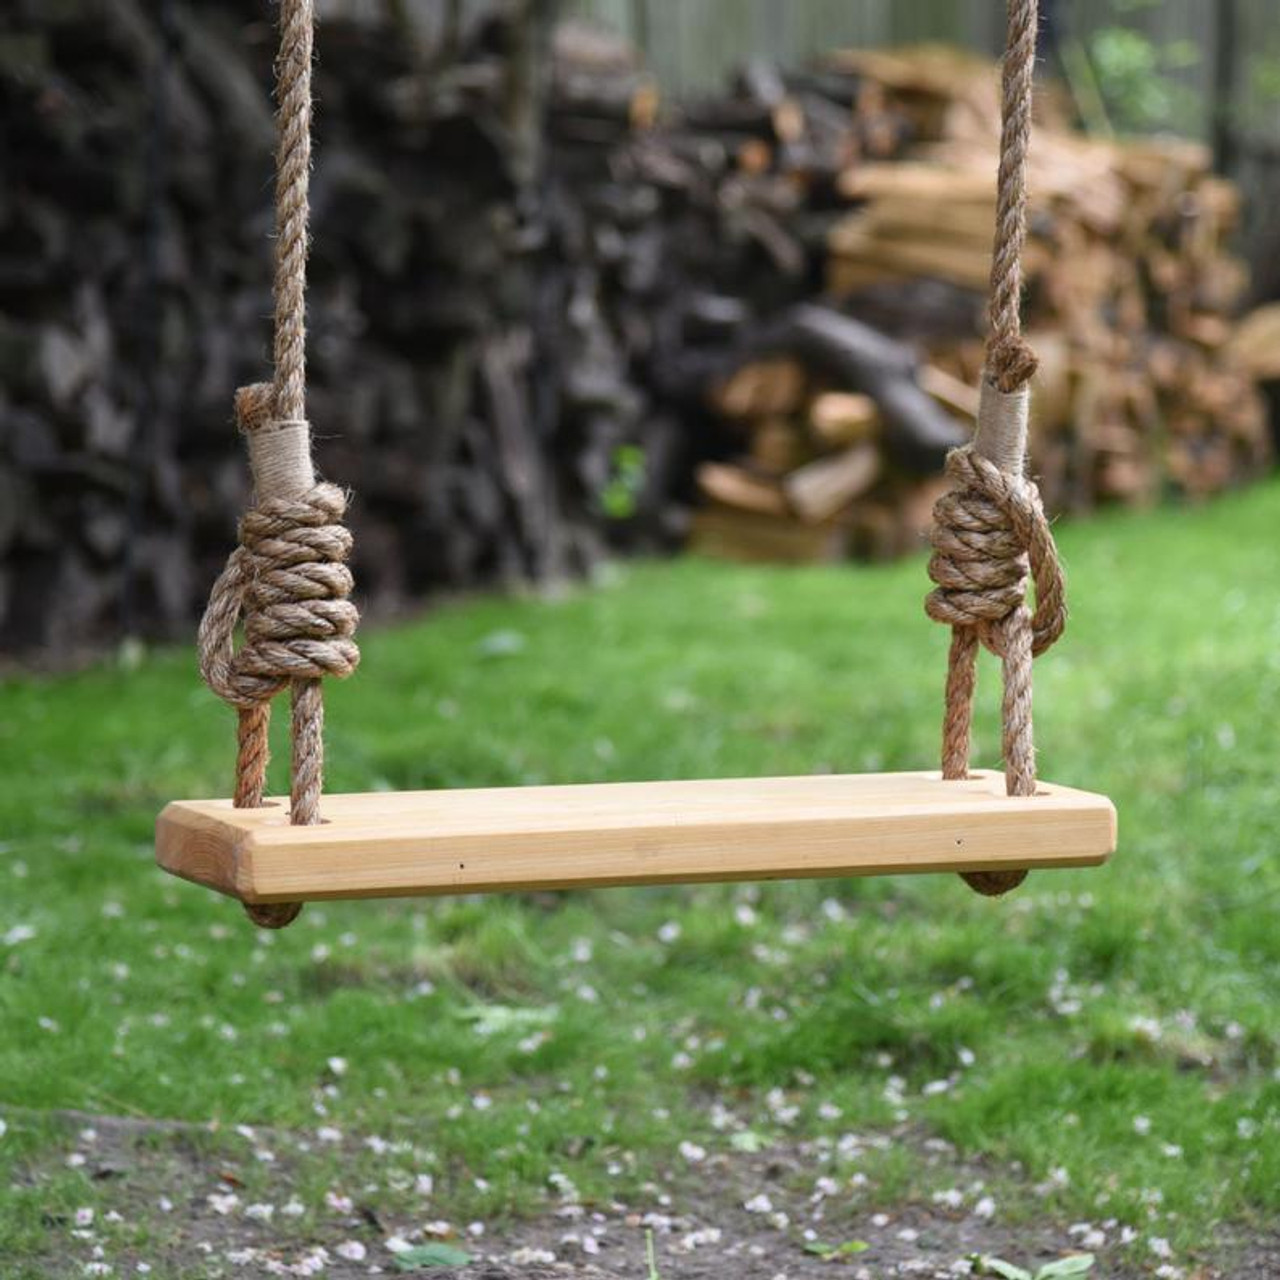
pixel 287 581
pixel 990 533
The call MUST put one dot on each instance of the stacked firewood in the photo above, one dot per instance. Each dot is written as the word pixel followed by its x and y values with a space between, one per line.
pixel 551 316
pixel 818 476
pixel 463 379
pixel 1130 297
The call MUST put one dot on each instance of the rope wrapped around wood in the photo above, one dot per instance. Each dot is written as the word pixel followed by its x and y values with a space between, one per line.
pixel 287 580
pixel 289 583
pixel 990 533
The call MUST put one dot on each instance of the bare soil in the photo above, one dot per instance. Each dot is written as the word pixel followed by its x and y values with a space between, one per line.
pixel 704 1232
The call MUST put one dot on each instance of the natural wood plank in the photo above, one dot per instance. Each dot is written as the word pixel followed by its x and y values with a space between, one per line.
pixel 635 833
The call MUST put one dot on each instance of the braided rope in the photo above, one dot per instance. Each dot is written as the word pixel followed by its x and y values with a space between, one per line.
pixel 1011 363
pixel 990 533
pixel 287 580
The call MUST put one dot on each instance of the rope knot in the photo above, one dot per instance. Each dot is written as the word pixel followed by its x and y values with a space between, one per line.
pixel 288 579
pixel 990 534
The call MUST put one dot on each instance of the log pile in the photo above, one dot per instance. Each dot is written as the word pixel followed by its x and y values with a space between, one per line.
pixel 464 379
pixel 551 316
pixel 1130 296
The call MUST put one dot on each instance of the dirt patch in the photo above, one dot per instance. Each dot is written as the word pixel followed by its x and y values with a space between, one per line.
pixel 170 1197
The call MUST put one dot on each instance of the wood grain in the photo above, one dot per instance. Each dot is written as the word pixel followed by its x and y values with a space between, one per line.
pixel 632 833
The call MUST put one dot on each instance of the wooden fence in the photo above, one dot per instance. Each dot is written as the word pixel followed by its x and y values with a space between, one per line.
pixel 692 44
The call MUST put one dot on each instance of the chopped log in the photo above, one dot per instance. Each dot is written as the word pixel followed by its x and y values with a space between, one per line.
pixel 1255 345
pixel 917 433
pixel 955 393
pixel 776 447
pixel 826 487
pixel 766 387
pixel 839 418
pixel 739 489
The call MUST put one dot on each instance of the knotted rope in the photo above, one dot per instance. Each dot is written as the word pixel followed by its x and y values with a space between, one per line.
pixel 287 580
pixel 990 530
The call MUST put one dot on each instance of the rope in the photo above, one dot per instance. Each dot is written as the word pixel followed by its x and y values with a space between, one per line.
pixel 1011 363
pixel 287 580
pixel 990 531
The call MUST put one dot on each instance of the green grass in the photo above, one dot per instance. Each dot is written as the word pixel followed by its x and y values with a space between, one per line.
pixel 1115 1033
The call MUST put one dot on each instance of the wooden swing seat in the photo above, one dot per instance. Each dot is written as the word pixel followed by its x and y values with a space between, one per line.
pixel 390 844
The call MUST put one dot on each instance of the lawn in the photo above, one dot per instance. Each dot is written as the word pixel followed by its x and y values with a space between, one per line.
pixel 1097 1051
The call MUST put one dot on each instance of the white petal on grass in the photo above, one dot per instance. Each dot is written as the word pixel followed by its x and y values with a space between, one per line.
pixel 703 1236
pixel 531 1257
pixel 19 933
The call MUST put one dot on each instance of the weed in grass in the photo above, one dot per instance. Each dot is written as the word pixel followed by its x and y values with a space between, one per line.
pixel 1078 1265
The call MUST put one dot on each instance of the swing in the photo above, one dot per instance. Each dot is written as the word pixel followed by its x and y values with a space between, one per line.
pixel 289 584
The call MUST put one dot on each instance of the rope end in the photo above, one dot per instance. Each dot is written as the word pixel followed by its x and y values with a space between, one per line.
pixel 254 406
pixel 1011 363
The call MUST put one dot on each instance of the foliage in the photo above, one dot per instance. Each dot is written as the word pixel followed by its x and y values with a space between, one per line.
pixel 1077 1265
pixel 1138 79
pixel 425 1256
pixel 621 495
